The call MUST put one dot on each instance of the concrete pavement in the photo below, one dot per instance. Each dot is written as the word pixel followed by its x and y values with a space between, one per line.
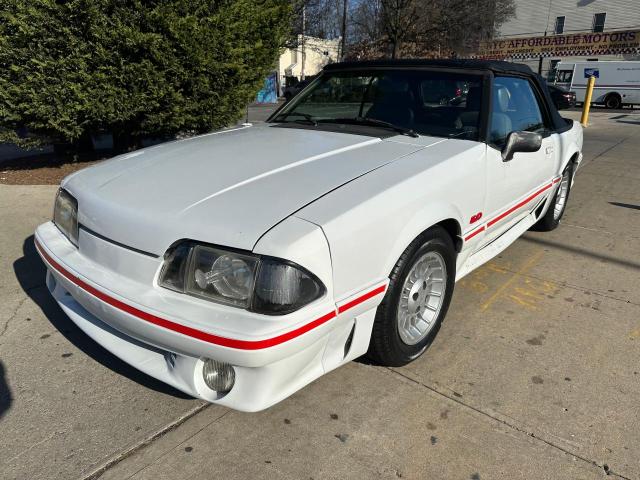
pixel 66 403
pixel 535 373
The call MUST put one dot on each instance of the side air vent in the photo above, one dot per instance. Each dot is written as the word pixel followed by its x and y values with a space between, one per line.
pixel 347 344
pixel 540 209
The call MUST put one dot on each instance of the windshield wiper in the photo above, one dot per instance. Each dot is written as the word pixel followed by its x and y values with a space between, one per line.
pixel 307 117
pixel 374 122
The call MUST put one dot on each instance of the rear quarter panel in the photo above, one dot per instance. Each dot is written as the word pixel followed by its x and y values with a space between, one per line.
pixel 370 221
pixel 570 145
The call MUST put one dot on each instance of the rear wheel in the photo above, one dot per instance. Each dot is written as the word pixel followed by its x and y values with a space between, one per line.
pixel 613 100
pixel 417 300
pixel 551 218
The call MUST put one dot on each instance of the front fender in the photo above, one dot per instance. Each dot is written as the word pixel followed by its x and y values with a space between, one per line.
pixel 371 221
pixel 301 242
pixel 423 219
pixel 365 247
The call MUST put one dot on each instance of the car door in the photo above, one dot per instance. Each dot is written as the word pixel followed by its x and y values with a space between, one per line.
pixel 517 186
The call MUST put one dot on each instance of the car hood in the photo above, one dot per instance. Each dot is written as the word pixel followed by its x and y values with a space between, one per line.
pixel 226 188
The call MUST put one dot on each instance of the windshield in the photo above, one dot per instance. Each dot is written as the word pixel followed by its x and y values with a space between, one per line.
pixel 421 102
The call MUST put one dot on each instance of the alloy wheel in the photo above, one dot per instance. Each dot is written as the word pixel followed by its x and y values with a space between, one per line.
pixel 422 297
pixel 561 196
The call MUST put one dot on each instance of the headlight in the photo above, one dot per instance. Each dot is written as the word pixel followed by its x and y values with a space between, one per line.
pixel 220 276
pixel 260 284
pixel 65 215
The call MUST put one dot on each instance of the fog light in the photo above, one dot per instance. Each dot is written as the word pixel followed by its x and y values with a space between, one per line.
pixel 218 376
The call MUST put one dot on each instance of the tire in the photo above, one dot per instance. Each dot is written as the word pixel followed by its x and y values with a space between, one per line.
pixel 390 344
pixel 553 215
pixel 613 101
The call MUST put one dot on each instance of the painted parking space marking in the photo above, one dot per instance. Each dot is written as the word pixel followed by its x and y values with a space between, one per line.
pixel 495 282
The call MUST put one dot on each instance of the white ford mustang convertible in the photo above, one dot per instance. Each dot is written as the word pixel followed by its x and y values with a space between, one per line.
pixel 241 265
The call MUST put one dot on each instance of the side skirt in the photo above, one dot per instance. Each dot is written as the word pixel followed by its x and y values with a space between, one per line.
pixel 496 246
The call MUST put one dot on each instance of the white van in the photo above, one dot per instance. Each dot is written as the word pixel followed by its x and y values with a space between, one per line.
pixel 617 83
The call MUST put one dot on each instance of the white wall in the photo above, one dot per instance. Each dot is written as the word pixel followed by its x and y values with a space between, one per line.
pixel 318 53
pixel 534 17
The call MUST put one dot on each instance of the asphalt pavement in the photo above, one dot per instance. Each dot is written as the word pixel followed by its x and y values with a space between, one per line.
pixel 534 374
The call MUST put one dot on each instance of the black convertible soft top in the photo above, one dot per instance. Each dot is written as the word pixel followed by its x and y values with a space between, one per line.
pixel 495 66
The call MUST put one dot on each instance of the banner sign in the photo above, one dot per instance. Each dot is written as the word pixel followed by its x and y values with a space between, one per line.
pixel 578 44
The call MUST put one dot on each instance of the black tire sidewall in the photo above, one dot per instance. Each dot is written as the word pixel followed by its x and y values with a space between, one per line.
pixel 400 353
pixel 613 102
pixel 567 170
pixel 548 222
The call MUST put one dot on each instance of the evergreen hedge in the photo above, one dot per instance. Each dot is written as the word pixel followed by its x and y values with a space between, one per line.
pixel 134 68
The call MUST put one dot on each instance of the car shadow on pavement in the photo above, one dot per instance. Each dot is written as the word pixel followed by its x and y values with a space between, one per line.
pixel 625 205
pixel 6 399
pixel 30 272
pixel 581 251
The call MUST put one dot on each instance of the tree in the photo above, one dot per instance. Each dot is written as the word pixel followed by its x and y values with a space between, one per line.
pixel 322 18
pixel 141 67
pixel 366 21
pixel 424 28
pixel 399 21
pixel 471 21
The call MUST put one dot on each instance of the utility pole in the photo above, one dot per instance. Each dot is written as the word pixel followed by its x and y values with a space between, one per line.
pixel 540 59
pixel 304 33
pixel 546 28
pixel 344 29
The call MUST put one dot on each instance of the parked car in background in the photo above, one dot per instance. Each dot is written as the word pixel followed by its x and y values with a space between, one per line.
pixel 617 82
pixel 241 265
pixel 562 98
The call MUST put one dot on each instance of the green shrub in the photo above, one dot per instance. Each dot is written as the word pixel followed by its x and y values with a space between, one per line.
pixel 72 68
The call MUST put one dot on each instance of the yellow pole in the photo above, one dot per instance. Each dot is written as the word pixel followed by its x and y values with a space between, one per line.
pixel 587 101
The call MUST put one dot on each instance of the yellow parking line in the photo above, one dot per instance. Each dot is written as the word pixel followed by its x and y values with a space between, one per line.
pixel 513 278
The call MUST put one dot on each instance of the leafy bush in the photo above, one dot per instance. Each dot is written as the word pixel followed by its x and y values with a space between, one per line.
pixel 132 67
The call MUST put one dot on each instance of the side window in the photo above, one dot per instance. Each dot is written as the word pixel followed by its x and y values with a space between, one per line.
pixel 564 76
pixel 514 108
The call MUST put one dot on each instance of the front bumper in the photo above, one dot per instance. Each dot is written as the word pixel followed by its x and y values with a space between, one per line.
pixel 166 335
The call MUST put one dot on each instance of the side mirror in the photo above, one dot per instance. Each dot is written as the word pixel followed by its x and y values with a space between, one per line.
pixel 521 142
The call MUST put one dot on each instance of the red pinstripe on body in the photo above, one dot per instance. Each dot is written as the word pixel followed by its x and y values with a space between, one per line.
pixel 473 234
pixel 506 213
pixel 199 334
pixel 517 206
pixel 362 298
pixel 250 344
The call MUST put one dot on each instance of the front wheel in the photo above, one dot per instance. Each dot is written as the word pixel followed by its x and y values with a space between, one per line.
pixel 417 300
